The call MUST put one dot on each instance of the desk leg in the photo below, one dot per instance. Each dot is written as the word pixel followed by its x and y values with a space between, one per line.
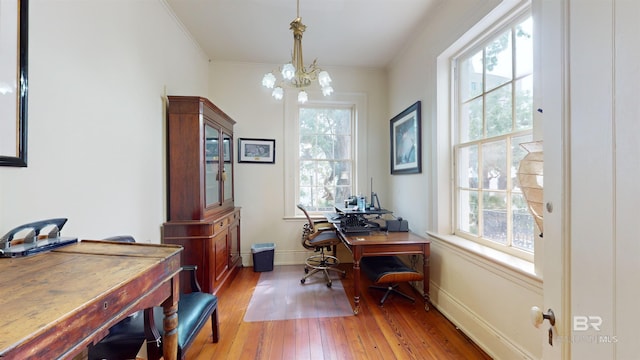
pixel 170 338
pixel 425 281
pixel 357 255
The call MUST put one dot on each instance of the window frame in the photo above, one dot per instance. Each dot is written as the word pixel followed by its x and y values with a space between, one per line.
pixel 352 152
pixel 508 23
pixel 443 205
pixel 358 102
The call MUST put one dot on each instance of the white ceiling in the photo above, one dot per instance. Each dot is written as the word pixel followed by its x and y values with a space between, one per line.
pixel 361 33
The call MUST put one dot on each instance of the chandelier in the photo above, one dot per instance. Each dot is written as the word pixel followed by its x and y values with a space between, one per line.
pixel 294 73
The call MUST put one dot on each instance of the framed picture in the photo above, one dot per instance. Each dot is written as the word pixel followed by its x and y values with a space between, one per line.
pixel 256 151
pixel 14 36
pixel 406 147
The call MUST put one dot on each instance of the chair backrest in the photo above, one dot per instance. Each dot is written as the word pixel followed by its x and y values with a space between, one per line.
pixel 307 229
pixel 312 228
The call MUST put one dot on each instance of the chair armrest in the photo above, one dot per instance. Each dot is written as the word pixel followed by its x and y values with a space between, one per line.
pixel 322 225
pixel 195 286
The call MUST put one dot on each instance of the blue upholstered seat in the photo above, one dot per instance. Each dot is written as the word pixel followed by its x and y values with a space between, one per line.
pixel 194 310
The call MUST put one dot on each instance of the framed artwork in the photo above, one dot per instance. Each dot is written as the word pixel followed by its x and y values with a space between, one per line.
pixel 406 147
pixel 256 151
pixel 14 48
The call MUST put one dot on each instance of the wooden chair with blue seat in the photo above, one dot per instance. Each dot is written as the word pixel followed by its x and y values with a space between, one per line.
pixel 127 337
pixel 387 272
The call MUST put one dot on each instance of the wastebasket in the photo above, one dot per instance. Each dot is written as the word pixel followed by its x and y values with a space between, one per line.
pixel 263 256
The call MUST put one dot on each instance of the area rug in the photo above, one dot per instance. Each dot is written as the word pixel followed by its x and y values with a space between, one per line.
pixel 279 295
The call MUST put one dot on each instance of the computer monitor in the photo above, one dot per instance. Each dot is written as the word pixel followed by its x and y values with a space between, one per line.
pixel 375 201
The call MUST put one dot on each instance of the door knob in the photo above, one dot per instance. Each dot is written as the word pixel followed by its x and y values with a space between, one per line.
pixel 537 316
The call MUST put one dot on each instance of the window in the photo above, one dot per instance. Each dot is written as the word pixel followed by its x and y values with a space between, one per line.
pixel 326 167
pixel 321 142
pixel 493 116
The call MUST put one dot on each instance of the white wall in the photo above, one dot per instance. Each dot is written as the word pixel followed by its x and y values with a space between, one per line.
pixel 259 188
pixel 98 71
pixel 488 300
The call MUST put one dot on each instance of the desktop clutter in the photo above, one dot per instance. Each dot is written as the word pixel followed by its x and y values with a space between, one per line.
pixel 361 217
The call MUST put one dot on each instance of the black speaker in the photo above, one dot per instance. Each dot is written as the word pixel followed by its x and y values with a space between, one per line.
pixel 397 225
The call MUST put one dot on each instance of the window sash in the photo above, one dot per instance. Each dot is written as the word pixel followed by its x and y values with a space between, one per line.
pixel 488 205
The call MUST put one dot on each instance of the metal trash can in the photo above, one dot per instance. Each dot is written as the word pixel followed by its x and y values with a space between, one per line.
pixel 263 256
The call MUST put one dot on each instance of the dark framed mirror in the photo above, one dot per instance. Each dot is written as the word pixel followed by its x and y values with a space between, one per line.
pixel 14 49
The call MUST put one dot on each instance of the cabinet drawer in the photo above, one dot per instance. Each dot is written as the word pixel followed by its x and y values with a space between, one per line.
pixel 220 225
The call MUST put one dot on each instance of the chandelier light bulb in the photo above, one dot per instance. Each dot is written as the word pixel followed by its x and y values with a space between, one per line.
pixel 327 90
pixel 269 80
pixel 277 93
pixel 288 71
pixel 324 79
pixel 302 97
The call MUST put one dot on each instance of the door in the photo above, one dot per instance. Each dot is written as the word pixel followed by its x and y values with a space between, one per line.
pixel 549 102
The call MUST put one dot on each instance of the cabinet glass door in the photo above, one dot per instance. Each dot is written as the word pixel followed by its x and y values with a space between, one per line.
pixel 228 167
pixel 211 164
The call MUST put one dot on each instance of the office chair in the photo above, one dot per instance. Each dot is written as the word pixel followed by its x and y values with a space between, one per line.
pixel 389 271
pixel 126 337
pixel 318 236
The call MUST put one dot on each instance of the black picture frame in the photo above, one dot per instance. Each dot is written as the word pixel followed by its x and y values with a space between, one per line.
pixel 406 141
pixel 261 151
pixel 13 129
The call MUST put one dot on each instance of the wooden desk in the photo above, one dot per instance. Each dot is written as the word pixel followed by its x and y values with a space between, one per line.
pixel 55 304
pixel 379 243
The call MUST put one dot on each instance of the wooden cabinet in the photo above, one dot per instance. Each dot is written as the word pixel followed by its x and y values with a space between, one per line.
pixel 201 215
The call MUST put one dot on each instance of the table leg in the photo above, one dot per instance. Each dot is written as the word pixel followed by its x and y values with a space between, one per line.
pixel 170 338
pixel 357 255
pixel 425 281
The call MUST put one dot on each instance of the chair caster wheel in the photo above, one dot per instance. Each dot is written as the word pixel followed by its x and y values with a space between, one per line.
pixel 328 284
pixel 303 281
pixel 306 271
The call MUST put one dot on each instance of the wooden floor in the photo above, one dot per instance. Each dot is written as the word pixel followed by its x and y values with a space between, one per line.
pixel 398 330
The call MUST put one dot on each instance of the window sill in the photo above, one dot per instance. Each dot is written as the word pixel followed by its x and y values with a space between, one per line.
pixel 495 257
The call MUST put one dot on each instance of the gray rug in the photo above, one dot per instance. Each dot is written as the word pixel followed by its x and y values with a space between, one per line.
pixel 279 295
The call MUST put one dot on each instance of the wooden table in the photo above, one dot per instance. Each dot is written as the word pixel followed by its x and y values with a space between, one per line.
pixel 379 243
pixel 53 305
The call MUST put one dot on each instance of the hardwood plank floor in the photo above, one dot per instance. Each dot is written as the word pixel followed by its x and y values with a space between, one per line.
pixel 398 330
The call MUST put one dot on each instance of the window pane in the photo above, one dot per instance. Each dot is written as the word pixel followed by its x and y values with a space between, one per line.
pixel 325 174
pixel 517 153
pixel 471 121
pixel 524 103
pixel 468 167
pixel 342 147
pixel 471 77
pixel 494 165
pixel 499 111
pixel 523 229
pixel 524 48
pixel 494 216
pixel 468 211
pixel 498 61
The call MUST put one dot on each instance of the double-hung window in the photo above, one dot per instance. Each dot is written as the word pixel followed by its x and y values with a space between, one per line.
pixel 325 156
pixel 493 86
